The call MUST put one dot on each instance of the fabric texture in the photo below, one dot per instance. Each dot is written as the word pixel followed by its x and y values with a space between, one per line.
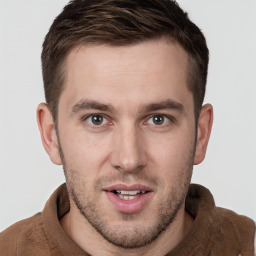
pixel 215 232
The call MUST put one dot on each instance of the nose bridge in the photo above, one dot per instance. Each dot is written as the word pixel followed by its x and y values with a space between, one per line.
pixel 128 153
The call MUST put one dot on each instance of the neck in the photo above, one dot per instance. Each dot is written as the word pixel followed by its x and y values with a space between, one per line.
pixel 81 232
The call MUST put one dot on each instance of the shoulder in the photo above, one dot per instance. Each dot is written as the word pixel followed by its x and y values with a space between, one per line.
pixel 15 238
pixel 239 223
pixel 238 227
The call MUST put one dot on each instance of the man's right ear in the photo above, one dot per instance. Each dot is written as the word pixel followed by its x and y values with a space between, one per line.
pixel 48 133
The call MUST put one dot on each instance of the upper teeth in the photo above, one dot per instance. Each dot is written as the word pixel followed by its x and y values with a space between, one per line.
pixel 131 192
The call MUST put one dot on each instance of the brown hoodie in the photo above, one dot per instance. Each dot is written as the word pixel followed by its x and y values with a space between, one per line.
pixel 215 232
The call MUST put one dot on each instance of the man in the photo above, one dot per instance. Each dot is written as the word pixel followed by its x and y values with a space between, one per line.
pixel 124 84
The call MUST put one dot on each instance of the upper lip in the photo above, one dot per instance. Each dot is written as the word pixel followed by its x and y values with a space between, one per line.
pixel 126 187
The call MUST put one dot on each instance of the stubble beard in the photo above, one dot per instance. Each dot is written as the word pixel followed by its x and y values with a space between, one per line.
pixel 128 236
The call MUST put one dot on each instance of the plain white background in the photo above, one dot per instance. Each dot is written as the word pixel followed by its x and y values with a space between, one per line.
pixel 27 177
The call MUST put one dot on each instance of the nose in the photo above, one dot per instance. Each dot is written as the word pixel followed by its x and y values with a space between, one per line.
pixel 129 152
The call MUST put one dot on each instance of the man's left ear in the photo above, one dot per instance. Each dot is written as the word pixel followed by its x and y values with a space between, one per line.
pixel 203 132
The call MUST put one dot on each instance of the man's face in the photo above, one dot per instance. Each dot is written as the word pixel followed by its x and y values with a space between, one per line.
pixel 127 136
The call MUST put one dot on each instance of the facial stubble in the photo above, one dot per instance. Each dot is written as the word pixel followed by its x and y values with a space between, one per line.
pixel 125 235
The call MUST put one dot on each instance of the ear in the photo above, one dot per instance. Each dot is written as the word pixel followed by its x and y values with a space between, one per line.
pixel 203 132
pixel 48 133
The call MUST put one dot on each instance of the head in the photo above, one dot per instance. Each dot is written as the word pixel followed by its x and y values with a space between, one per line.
pixel 121 23
pixel 124 82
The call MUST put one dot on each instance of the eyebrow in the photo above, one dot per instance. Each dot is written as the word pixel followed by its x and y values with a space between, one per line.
pixel 167 104
pixel 86 104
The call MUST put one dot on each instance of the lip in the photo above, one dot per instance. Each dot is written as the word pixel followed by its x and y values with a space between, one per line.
pixel 129 206
pixel 128 187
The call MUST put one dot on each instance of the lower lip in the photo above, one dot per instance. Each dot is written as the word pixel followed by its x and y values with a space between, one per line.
pixel 129 206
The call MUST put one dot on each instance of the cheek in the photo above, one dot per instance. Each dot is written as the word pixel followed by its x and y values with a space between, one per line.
pixel 174 164
pixel 172 154
pixel 83 152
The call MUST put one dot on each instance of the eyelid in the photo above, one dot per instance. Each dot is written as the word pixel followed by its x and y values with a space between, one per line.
pixel 84 118
pixel 170 118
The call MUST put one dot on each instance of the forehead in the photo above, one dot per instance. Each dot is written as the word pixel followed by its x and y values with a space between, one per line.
pixel 125 73
pixel 155 54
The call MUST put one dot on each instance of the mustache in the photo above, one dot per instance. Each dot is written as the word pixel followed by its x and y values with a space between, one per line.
pixel 125 177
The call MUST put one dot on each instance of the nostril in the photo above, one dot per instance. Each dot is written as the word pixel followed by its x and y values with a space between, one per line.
pixel 127 169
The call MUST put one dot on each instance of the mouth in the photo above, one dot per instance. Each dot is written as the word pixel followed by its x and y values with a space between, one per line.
pixel 129 195
pixel 129 199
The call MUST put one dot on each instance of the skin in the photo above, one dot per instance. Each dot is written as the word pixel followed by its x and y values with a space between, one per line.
pixel 128 147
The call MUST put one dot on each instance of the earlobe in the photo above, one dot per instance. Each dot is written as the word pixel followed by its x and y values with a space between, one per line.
pixel 48 133
pixel 203 132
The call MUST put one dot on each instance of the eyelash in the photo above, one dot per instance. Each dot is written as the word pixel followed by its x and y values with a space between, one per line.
pixel 170 119
pixel 87 117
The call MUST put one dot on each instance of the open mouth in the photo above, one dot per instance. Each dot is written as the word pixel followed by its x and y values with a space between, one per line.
pixel 129 199
pixel 129 195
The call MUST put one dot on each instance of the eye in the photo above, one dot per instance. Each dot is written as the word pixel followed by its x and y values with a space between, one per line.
pixel 96 120
pixel 158 120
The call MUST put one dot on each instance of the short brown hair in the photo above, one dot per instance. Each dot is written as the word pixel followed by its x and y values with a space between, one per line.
pixel 120 23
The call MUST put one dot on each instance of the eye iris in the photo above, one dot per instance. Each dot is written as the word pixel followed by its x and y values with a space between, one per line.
pixel 158 119
pixel 97 119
